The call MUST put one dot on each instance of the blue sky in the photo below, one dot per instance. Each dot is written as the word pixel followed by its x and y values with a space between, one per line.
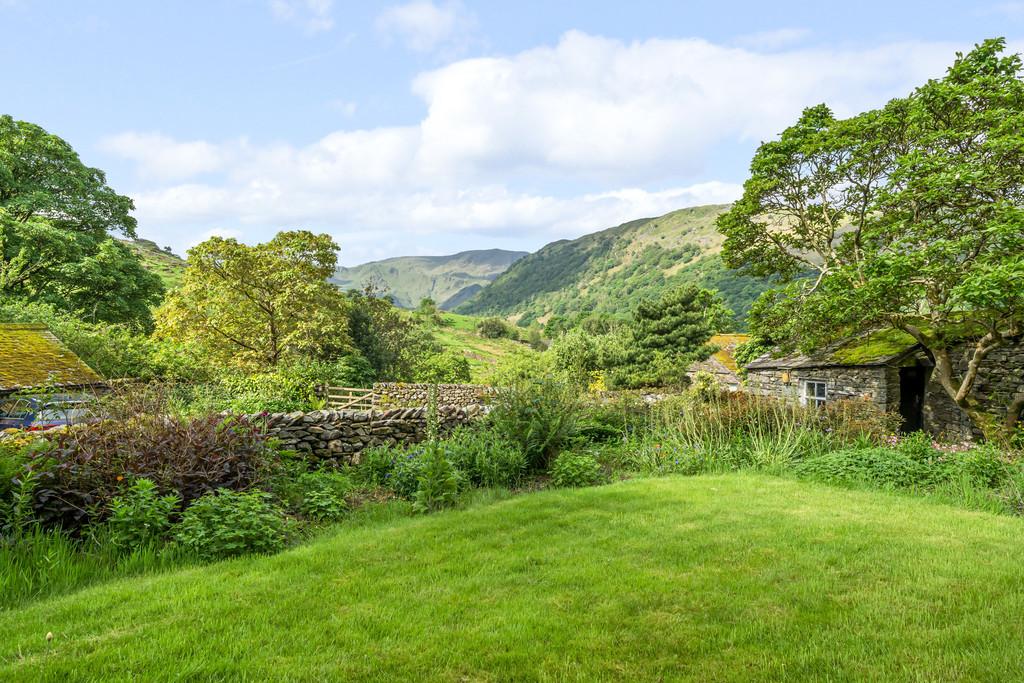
pixel 431 127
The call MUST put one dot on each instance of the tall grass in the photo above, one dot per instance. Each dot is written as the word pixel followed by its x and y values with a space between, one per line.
pixel 741 431
pixel 37 562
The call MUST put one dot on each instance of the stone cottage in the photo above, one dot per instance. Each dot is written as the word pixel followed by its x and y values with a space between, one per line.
pixel 891 369
pixel 32 357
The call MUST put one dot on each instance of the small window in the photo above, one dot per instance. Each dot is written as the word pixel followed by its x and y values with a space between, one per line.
pixel 815 393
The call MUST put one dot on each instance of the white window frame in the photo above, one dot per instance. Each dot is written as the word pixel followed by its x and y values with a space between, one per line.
pixel 816 400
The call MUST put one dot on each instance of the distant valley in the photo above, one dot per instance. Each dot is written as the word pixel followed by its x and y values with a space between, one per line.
pixel 448 280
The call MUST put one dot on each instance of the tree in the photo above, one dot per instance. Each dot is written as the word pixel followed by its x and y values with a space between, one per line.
pixel 56 217
pixel 258 305
pixel 390 339
pixel 669 335
pixel 909 217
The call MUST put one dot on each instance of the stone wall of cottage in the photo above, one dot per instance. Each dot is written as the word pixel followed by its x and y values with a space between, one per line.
pixel 401 395
pixel 340 436
pixel 1000 379
pixel 878 384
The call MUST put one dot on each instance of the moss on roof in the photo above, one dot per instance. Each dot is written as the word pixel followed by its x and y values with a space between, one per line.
pixel 31 356
pixel 873 348
pixel 727 344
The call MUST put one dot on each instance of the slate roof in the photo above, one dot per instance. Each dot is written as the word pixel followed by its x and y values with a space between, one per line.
pixel 877 348
pixel 31 356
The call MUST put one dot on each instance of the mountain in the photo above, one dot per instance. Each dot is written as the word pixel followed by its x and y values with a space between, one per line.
pixel 611 270
pixel 156 260
pixel 448 280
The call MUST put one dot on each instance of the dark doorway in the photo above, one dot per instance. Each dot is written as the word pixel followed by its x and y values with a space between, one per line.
pixel 912 383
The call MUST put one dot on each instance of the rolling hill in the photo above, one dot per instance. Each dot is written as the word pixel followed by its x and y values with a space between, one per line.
pixel 448 280
pixel 167 265
pixel 611 270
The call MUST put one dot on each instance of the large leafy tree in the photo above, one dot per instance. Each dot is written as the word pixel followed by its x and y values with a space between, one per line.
pixel 56 220
pixel 256 306
pixel 910 217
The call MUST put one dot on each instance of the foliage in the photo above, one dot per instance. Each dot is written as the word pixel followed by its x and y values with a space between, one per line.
pixel 704 388
pixel 90 464
pixel 496 328
pixel 391 341
pixel 227 523
pixel 140 516
pixel 56 220
pixel 443 367
pixel 908 217
pixel 438 483
pixel 323 495
pixel 406 468
pixel 668 335
pixel 485 457
pixel 574 469
pixel 540 417
pixel 257 306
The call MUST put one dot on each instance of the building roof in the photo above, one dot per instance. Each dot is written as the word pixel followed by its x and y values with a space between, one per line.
pixel 723 362
pixel 31 356
pixel 880 347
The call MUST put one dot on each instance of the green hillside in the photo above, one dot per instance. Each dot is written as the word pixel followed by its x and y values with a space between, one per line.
pixel 458 332
pixel 609 271
pixel 167 265
pixel 448 280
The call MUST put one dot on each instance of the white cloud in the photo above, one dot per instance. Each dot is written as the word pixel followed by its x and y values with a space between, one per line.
pixel 549 142
pixel 161 157
pixel 312 15
pixel 423 26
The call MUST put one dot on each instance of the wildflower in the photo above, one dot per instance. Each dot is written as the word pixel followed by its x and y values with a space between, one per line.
pixel 120 478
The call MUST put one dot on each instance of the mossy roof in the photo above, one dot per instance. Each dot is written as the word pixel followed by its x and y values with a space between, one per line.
pixel 31 356
pixel 879 347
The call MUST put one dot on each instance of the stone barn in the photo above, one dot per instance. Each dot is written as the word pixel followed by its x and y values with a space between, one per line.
pixel 891 369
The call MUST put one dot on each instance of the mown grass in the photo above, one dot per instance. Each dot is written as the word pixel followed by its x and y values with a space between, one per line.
pixel 733 577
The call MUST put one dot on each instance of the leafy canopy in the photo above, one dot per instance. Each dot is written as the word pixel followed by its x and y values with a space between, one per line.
pixel 56 217
pixel 258 305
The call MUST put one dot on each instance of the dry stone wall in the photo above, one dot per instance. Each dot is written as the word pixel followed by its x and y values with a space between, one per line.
pixel 340 436
pixel 397 394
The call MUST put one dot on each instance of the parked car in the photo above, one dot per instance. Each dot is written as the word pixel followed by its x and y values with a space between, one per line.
pixel 33 413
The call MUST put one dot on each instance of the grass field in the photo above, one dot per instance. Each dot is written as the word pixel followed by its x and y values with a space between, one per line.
pixel 725 578
pixel 459 333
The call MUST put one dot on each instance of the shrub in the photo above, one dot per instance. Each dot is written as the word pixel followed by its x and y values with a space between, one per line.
pixel 882 467
pixel 496 328
pixel 140 517
pixel 323 496
pixel 444 367
pixel 404 477
pixel 575 470
pixel 90 464
pixel 228 523
pixel 376 465
pixel 540 417
pixel 437 486
pixel 485 457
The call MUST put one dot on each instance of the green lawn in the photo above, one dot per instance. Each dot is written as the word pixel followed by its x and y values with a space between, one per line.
pixel 735 577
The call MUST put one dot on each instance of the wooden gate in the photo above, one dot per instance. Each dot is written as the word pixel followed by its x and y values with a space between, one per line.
pixel 348 398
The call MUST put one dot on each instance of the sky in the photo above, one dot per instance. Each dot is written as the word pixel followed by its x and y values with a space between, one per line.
pixel 431 127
